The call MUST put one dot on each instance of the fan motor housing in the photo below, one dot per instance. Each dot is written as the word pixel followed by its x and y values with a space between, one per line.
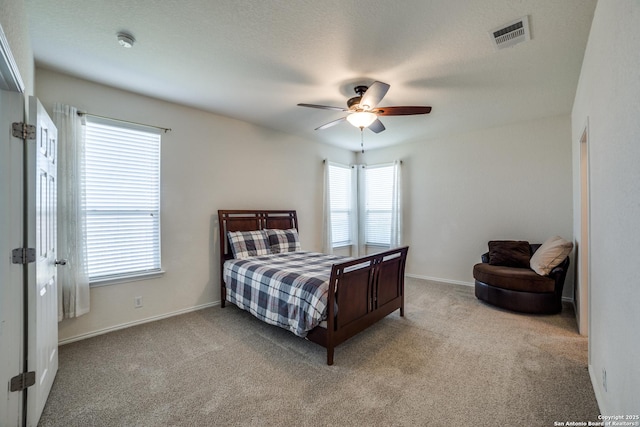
pixel 354 102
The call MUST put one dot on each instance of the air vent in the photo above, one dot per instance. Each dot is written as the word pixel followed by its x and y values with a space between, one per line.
pixel 511 34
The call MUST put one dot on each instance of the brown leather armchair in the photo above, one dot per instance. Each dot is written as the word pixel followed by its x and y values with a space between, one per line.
pixel 520 289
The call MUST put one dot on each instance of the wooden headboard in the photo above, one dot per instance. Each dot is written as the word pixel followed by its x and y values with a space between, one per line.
pixel 248 220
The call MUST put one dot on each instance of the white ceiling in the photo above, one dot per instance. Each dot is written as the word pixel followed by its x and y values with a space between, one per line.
pixel 254 60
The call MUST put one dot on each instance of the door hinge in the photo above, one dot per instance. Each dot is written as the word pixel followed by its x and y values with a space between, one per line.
pixel 23 131
pixel 23 380
pixel 23 255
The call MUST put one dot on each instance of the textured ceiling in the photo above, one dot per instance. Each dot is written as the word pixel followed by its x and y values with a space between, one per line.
pixel 255 60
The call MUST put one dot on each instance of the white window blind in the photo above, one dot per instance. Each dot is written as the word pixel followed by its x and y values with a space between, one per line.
pixel 122 186
pixel 378 204
pixel 341 204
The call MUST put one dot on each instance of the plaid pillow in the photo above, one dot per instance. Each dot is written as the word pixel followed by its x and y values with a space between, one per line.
pixel 245 244
pixel 283 240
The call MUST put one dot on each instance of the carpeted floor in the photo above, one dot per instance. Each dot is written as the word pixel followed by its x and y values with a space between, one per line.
pixel 451 361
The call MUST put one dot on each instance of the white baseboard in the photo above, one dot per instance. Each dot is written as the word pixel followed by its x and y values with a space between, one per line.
pixel 438 279
pixel 136 322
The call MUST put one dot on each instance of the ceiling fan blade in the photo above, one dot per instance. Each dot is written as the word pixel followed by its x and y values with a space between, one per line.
pixel 332 123
pixel 377 126
pixel 323 107
pixel 373 95
pixel 401 111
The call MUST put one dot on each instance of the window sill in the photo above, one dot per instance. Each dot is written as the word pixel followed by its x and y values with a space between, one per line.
pixel 124 279
pixel 341 245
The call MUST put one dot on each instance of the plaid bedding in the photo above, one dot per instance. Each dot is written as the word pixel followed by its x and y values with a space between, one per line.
pixel 283 240
pixel 286 289
pixel 249 243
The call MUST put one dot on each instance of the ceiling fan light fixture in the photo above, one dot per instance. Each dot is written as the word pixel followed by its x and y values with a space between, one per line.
pixel 363 111
pixel 361 119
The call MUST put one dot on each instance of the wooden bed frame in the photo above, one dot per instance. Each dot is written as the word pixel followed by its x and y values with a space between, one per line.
pixel 365 289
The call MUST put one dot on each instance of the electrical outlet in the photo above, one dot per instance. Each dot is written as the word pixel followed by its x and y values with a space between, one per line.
pixel 604 379
pixel 137 302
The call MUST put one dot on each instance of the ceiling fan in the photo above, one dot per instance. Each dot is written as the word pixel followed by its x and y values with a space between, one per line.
pixel 363 110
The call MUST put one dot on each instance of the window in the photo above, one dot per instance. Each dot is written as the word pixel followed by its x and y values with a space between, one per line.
pixel 340 190
pixel 379 182
pixel 122 200
pixel 365 205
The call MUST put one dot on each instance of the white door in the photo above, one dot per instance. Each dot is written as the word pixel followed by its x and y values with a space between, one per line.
pixel 11 275
pixel 41 234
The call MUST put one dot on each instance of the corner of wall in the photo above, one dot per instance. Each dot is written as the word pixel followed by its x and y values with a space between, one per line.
pixel 15 25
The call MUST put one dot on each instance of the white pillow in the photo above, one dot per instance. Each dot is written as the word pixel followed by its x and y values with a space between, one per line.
pixel 552 252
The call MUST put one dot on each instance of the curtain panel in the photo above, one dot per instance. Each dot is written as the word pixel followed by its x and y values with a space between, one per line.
pixel 73 279
pixel 327 240
pixel 396 207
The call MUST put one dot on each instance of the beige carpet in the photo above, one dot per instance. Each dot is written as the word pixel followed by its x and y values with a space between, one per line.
pixel 451 361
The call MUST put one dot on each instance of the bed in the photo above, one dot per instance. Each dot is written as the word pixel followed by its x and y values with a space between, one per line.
pixel 324 298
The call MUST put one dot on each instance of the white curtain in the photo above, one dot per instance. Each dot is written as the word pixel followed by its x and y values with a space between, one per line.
pixel 361 211
pixel 73 280
pixel 354 217
pixel 327 242
pixel 396 207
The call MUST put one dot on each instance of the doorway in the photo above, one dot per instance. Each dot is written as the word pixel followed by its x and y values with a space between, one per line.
pixel 12 109
pixel 28 315
pixel 11 275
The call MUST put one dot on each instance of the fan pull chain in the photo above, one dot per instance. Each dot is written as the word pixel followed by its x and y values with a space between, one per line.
pixel 362 138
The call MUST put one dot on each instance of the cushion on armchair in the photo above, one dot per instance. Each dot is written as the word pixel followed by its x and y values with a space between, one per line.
pixel 509 253
pixel 516 279
pixel 552 252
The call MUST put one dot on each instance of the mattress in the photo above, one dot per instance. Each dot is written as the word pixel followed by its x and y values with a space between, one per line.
pixel 288 290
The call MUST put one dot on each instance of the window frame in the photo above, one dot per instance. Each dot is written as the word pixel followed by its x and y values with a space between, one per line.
pixel 365 205
pixel 142 274
pixel 351 210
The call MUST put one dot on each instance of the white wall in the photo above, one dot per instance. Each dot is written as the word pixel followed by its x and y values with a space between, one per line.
pixel 209 162
pixel 609 96
pixel 15 26
pixel 510 182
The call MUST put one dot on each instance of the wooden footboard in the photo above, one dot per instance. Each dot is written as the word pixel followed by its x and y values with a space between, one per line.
pixel 364 290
